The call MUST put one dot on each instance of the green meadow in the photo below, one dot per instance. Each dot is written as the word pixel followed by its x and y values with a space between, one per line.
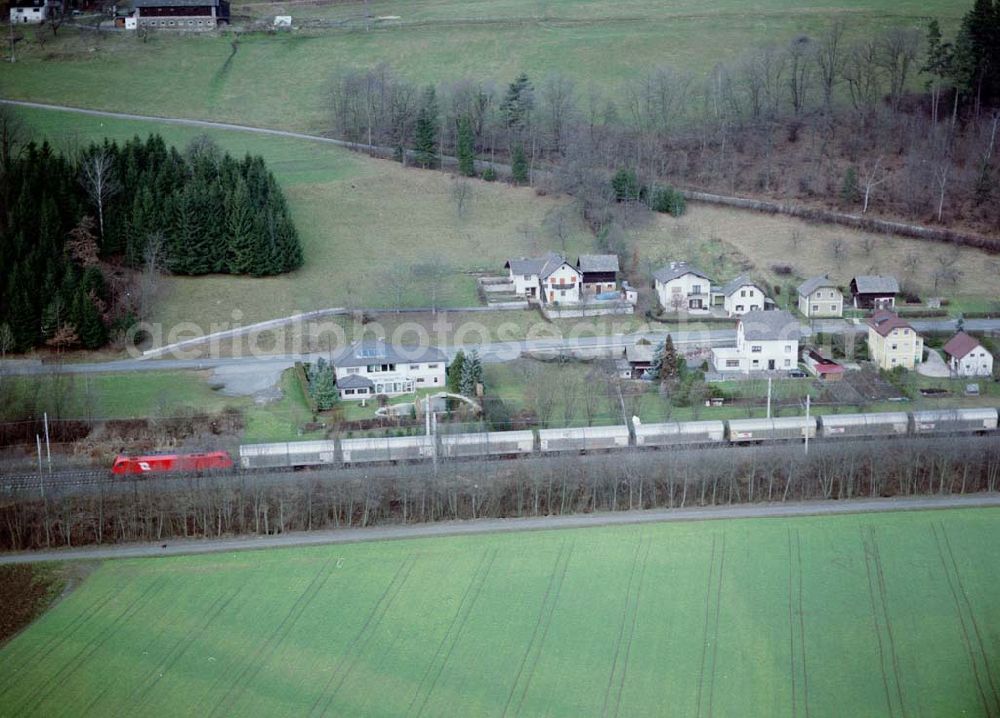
pixel 848 615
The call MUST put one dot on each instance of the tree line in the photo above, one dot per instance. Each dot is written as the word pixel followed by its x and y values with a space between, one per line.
pixel 258 503
pixel 833 119
pixel 77 229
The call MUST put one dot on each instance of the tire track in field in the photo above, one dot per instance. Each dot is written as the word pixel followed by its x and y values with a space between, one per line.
pixel 266 650
pixel 880 648
pixel 705 633
pixel 541 624
pixel 961 597
pixel 363 645
pixel 631 633
pixel 81 657
pixel 388 594
pixel 462 615
pixel 970 654
pixel 39 653
pixel 792 671
pixel 180 648
pixel 802 626
pixel 624 621
pixel 718 611
pixel 884 595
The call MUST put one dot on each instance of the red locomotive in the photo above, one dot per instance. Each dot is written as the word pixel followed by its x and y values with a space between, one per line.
pixel 172 463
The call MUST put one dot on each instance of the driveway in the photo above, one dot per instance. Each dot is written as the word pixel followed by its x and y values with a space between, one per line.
pixel 934 366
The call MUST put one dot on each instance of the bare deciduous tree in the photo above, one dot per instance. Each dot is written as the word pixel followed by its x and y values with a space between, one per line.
pixel 98 180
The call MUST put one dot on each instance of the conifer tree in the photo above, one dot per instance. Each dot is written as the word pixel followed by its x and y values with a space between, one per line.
pixel 656 364
pixel 426 131
pixel 241 234
pixel 669 368
pixel 519 166
pixel 455 373
pixel 466 148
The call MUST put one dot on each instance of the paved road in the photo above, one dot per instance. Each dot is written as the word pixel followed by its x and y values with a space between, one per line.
pixel 486 526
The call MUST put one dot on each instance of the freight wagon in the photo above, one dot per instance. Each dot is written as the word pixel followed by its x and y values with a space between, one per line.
pixel 836 426
pixel 491 443
pixel 288 454
pixel 591 438
pixel 679 433
pixel 946 421
pixel 785 428
pixel 389 448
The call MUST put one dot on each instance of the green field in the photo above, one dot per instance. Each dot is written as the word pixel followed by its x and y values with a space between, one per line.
pixel 841 616
pixel 282 80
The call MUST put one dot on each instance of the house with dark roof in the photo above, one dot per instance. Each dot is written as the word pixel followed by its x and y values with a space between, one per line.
pixel 820 297
pixel 181 14
pixel 967 357
pixel 743 295
pixel 765 341
pixel 29 12
pixel 371 367
pixel 682 287
pixel 598 274
pixel 549 278
pixel 874 291
pixel 892 342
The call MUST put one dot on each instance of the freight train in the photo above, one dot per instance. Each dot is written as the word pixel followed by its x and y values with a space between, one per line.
pixel 500 444
pixel 348 452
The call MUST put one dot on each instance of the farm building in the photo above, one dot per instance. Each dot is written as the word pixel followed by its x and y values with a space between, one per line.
pixel 680 286
pixel 598 272
pixel 823 368
pixel 181 14
pixel 874 292
pixel 765 341
pixel 967 357
pixel 371 367
pixel 820 297
pixel 638 358
pixel 892 342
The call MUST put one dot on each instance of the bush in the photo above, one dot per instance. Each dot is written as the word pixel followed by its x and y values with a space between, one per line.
pixel 667 200
pixel 489 174
pixel 781 269
pixel 625 185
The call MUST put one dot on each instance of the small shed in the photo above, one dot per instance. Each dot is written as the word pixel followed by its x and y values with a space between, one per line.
pixel 874 291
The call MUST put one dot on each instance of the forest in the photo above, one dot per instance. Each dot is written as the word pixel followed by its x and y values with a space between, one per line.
pixel 83 234
pixel 900 123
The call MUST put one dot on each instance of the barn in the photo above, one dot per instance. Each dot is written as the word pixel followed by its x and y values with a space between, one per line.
pixel 181 14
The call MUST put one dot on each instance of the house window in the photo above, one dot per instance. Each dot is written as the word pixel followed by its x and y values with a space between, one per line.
pixel 527 278
pixel 562 292
pixel 906 331
pixel 895 347
pixel 788 349
pixel 756 362
pixel 739 307
pixel 414 366
pixel 815 307
pixel 756 348
pixel 435 380
pixel 695 289
pixel 420 380
pixel 675 290
pixel 432 366
pixel 833 307
pixel 353 370
pixel 743 292
pixel 732 363
pixel 788 362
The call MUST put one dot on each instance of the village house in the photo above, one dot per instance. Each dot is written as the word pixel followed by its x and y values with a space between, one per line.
pixel 820 297
pixel 638 358
pixel 874 292
pixel 550 278
pixel 765 341
pixel 181 14
pixel 371 367
pixel 599 274
pixel 743 295
pixel 680 286
pixel 967 357
pixel 28 12
pixel 892 342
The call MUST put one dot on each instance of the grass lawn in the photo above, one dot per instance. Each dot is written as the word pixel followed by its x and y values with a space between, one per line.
pixel 281 80
pixel 887 614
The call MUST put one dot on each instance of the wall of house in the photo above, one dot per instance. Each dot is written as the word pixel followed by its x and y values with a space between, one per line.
pixel 902 347
pixel 28 15
pixel 685 286
pixel 759 353
pixel 597 282
pixel 745 299
pixel 523 283
pixel 824 302
pixel 563 285
pixel 423 375
pixel 978 362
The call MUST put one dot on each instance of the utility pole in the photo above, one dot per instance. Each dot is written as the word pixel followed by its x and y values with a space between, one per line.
pixel 769 397
pixel 10 24
pixel 807 424
pixel 41 478
pixel 48 448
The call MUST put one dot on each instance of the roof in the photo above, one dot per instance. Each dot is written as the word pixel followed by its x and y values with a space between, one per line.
pixel 640 353
pixel 875 284
pixel 552 263
pixel 175 3
pixel 676 270
pixel 759 325
pixel 883 321
pixel 741 281
pixel 355 381
pixel 960 345
pixel 597 263
pixel 376 351
pixel 541 266
pixel 27 3
pixel 813 283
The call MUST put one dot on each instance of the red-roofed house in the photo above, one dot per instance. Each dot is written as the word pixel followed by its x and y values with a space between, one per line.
pixel 967 357
pixel 892 342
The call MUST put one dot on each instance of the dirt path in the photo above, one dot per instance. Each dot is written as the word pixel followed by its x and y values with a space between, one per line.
pixel 486 526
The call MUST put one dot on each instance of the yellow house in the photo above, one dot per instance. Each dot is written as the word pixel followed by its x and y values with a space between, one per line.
pixel 892 342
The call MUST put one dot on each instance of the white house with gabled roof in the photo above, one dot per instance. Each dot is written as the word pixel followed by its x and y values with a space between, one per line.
pixel 371 367
pixel 682 287
pixel 743 295
pixel 550 278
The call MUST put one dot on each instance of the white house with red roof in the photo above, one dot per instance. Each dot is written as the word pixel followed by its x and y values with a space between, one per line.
pixel 967 357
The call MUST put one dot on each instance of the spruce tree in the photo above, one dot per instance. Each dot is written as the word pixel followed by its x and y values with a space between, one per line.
pixel 669 368
pixel 455 373
pixel 242 235
pixel 656 364
pixel 426 131
pixel 472 374
pixel 466 148
pixel 519 166
pixel 91 330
